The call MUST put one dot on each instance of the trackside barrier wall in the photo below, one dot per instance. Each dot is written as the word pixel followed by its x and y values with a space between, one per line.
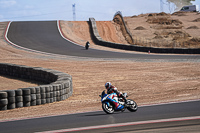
pixel 126 29
pixel 58 86
pixel 101 42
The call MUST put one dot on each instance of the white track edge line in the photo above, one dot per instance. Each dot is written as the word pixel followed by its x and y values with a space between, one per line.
pixel 123 124
pixel 62 34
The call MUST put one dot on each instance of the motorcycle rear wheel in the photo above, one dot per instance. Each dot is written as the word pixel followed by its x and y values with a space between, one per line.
pixel 107 109
pixel 133 107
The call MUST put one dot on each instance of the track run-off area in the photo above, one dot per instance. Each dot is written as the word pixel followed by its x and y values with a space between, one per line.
pixel 45 37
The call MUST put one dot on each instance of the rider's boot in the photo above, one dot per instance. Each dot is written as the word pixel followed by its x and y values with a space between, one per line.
pixel 126 101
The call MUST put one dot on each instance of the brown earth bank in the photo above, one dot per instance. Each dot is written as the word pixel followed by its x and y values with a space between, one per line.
pixel 180 29
pixel 145 82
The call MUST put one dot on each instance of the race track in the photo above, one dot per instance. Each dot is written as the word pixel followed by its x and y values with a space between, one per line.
pixel 44 36
pixel 175 115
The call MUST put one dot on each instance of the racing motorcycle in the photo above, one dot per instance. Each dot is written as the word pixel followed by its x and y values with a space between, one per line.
pixel 109 107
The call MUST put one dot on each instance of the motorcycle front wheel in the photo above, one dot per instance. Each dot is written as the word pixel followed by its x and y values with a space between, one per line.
pixel 133 107
pixel 108 109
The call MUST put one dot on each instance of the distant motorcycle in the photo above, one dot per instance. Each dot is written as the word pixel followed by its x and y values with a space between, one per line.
pixel 87 45
pixel 109 108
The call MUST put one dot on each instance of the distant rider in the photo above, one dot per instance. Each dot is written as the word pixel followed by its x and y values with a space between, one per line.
pixel 87 45
pixel 112 89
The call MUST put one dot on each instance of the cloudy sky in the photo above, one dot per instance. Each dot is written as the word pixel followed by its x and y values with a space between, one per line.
pixel 34 10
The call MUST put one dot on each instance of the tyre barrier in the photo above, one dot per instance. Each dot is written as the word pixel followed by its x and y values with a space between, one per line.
pixel 58 86
pixel 100 41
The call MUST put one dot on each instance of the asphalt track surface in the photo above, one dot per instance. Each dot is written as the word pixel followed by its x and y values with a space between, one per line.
pixel 44 36
pixel 145 113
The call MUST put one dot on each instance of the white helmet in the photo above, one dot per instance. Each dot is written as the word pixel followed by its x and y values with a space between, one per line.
pixel 108 85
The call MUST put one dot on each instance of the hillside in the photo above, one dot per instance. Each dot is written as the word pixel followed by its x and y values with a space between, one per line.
pixel 181 29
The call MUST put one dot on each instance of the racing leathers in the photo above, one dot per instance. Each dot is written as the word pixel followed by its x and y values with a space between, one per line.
pixel 113 89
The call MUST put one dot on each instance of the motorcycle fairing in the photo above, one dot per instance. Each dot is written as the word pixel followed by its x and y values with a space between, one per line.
pixel 114 99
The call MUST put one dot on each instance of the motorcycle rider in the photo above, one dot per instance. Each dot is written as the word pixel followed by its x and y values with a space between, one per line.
pixel 112 89
pixel 87 45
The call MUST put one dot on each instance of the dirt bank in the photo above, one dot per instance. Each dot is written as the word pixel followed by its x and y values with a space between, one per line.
pixel 181 29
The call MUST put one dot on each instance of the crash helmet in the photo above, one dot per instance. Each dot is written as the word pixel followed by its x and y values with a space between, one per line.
pixel 108 85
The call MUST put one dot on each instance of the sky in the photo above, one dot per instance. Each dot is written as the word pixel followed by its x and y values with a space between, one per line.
pixel 101 10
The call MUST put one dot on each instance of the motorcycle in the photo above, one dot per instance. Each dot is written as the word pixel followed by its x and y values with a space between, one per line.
pixel 109 107
pixel 87 45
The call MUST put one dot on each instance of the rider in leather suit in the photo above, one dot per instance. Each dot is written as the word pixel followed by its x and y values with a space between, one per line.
pixel 112 89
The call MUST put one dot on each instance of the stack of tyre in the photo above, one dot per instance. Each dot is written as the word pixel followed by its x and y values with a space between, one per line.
pixel 59 87
pixel 32 96
pixel 3 100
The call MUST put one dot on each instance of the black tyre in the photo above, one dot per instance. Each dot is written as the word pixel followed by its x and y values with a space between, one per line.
pixel 3 95
pixel 11 93
pixel 38 102
pixel 47 89
pixel 18 92
pixel 33 103
pixel 47 100
pixel 43 101
pixel 108 109
pixel 26 91
pixel 43 95
pixel 37 90
pixel 48 95
pixel 19 99
pixel 38 96
pixel 3 102
pixel 19 104
pixel 11 100
pixel 27 98
pixel 133 106
pixel 51 94
pixel 57 93
pixel 51 100
pixel 54 99
pixel 33 90
pixel 3 107
pixel 33 97
pixel 42 89
pixel 54 94
pixel 11 106
pixel 26 104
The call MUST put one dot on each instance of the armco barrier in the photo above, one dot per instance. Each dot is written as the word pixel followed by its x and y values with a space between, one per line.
pixel 58 86
pixel 101 42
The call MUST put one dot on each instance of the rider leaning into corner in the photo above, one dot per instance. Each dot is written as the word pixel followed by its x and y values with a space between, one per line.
pixel 112 89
